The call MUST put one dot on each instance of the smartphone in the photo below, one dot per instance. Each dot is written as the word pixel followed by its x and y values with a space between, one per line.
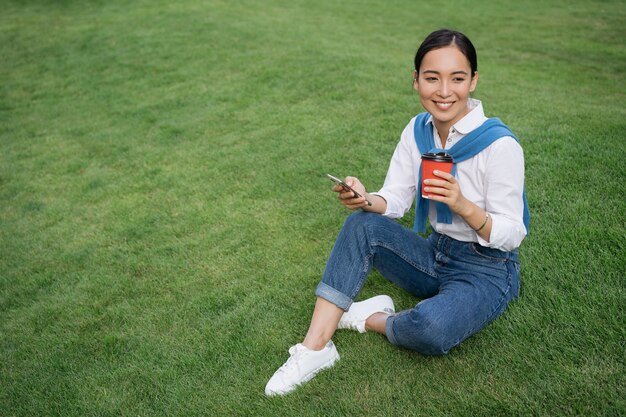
pixel 346 187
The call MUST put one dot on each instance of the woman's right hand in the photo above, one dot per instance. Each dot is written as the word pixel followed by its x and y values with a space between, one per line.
pixel 347 198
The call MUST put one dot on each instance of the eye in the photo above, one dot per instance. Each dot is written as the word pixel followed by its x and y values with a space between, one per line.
pixel 458 79
pixel 431 79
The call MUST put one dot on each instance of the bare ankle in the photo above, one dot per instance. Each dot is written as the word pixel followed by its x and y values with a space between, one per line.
pixel 314 343
pixel 377 322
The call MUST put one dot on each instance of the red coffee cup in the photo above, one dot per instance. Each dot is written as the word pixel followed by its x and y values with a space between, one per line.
pixel 441 161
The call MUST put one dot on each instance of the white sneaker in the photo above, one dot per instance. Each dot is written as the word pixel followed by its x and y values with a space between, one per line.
pixel 359 312
pixel 303 365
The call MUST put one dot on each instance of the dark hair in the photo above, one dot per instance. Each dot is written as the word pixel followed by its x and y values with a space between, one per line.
pixel 446 37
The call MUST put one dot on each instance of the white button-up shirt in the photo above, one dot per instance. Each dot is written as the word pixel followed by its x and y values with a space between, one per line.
pixel 493 180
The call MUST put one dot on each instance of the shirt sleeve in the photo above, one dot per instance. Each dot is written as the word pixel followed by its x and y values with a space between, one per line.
pixel 504 187
pixel 400 183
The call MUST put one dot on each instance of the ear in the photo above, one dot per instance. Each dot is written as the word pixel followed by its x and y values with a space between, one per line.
pixel 415 83
pixel 474 81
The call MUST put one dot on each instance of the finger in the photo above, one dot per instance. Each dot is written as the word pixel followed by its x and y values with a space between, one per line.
pixel 437 198
pixel 444 175
pixel 437 190
pixel 346 195
pixel 356 202
pixel 356 206
pixel 350 181
pixel 341 189
pixel 437 183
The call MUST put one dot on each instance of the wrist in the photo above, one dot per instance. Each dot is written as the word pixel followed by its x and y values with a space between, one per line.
pixel 379 204
pixel 475 217
pixel 468 209
pixel 482 226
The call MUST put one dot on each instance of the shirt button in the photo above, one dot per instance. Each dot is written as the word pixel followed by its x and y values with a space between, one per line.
pixel 449 139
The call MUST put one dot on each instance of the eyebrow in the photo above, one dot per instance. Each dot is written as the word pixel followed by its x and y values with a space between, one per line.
pixel 437 72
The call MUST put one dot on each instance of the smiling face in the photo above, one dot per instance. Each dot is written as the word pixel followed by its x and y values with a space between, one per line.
pixel 444 83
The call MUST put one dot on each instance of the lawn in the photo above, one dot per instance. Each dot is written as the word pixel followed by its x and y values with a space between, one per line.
pixel 165 216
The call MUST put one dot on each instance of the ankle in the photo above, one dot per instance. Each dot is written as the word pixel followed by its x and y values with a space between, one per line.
pixel 316 344
pixel 377 322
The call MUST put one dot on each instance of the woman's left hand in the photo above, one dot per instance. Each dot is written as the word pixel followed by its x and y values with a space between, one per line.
pixel 446 190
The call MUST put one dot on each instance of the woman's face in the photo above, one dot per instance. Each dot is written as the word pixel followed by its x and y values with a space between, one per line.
pixel 444 84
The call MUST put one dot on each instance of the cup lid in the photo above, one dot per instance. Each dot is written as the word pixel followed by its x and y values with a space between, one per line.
pixel 438 157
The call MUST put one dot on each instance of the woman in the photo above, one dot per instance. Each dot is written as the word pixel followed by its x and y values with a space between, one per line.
pixel 467 270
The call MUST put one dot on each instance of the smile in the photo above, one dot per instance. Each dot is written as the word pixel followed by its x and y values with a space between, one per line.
pixel 443 105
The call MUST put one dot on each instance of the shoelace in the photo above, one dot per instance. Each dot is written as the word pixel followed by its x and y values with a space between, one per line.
pixel 293 359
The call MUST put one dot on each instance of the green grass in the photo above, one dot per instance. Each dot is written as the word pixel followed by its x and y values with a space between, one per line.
pixel 164 216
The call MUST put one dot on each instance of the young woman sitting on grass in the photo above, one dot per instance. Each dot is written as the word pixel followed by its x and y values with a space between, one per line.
pixel 467 270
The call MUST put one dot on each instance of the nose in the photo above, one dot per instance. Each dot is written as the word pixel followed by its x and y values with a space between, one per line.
pixel 444 89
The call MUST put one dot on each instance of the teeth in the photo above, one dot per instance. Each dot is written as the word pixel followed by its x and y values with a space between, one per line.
pixel 443 106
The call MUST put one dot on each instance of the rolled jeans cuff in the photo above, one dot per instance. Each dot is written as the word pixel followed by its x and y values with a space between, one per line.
pixel 389 328
pixel 330 294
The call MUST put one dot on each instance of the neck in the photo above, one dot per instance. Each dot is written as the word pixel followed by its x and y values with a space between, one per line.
pixel 443 129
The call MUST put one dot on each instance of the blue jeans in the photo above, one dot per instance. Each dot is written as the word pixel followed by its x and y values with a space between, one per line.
pixel 463 285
